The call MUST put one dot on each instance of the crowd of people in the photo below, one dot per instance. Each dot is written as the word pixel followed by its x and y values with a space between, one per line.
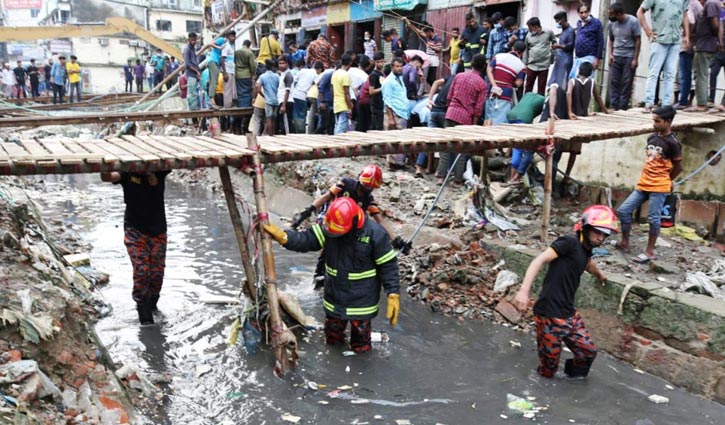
pixel 152 71
pixel 56 77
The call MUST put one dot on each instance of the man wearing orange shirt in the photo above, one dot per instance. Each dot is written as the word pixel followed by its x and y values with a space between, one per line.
pixel 663 163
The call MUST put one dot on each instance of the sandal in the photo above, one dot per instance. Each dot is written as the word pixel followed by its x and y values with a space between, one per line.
pixel 643 258
pixel 418 175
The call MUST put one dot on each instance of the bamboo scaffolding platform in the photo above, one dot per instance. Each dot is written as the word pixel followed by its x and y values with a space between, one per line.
pixel 109 117
pixel 63 155
pixel 29 108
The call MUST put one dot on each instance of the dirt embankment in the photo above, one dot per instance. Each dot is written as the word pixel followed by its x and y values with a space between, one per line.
pixel 53 370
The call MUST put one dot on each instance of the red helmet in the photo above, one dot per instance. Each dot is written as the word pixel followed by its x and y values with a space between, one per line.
pixel 600 217
pixel 342 215
pixel 371 177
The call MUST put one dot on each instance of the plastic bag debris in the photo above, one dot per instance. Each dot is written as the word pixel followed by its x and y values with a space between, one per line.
pixel 287 417
pixel 658 399
pixel 499 222
pixel 379 336
pixel 682 231
pixel 348 353
pixel 700 282
pixel 504 279
pixel 515 344
pixel 402 422
pixel 520 406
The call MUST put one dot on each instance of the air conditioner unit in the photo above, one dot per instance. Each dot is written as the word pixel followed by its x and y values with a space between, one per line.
pixel 133 42
pixel 103 41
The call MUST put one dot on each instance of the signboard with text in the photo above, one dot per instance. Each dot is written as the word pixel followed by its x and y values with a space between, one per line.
pixel 398 4
pixel 445 4
pixel 22 4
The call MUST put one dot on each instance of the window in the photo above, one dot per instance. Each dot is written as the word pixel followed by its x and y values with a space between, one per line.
pixel 34 13
pixel 197 3
pixel 163 25
pixel 193 26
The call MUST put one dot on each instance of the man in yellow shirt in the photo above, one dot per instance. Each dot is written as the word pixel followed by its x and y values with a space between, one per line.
pixel 269 48
pixel 341 102
pixel 74 77
pixel 455 49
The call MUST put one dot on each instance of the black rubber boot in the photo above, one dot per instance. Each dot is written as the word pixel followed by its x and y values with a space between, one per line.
pixel 575 371
pixel 153 300
pixel 144 313
pixel 318 279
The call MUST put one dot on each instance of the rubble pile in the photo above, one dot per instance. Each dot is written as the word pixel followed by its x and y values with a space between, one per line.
pixel 464 283
pixel 53 369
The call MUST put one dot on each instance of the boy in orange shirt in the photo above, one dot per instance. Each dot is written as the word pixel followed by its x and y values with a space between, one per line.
pixel 663 163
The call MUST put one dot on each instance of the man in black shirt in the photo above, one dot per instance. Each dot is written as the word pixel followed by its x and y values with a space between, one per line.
pixel 144 224
pixel 377 108
pixel 49 86
pixel 34 76
pixel 20 77
pixel 556 318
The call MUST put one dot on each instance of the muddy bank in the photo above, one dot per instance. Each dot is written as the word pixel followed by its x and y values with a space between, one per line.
pixel 53 370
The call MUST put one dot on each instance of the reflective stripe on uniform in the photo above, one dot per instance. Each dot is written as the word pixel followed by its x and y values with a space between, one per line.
pixel 473 46
pixel 361 311
pixel 362 275
pixel 467 64
pixel 328 305
pixel 318 234
pixel 330 270
pixel 352 311
pixel 386 257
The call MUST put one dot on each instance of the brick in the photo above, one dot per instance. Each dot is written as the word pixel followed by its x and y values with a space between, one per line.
pixel 698 212
pixel 508 311
pixel 15 355
pixel 112 404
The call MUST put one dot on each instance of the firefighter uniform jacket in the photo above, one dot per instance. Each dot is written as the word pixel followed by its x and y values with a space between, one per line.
pixel 348 187
pixel 356 266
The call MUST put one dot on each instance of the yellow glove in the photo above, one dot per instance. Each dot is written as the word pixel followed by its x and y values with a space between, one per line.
pixel 393 308
pixel 277 234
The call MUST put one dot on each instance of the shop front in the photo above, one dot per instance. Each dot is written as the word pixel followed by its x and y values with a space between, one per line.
pixel 339 27
pixel 364 17
pixel 313 22
pixel 393 12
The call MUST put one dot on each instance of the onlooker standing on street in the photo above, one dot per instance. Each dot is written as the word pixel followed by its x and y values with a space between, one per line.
pixel 34 77
pixel 149 73
pixel 303 81
pixel 48 79
pixel 244 68
pixel 624 43
pixel 454 46
pixel 395 98
pixel 8 81
pixel 230 84
pixel 269 47
pixel 377 107
pixel 74 78
pixel 342 103
pixel 433 48
pixel 466 97
pixel 717 62
pixel 138 73
pixel 324 100
pixel 662 164
pixel 369 45
pixel 59 76
pixel 505 73
pixel 128 77
pixel 396 43
pixel 563 51
pixel 687 58
pixel 668 16
pixel 537 55
pixel 320 50
pixel 267 87
pixel 213 64
pixel 514 33
pixel 192 71
pixel 20 80
pixel 589 43
pixel 286 105
pixel 496 38
pixel 707 42
pixel 159 64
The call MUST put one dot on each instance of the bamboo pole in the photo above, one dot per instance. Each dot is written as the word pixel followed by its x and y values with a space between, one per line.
pixel 283 340
pixel 549 177
pixel 238 225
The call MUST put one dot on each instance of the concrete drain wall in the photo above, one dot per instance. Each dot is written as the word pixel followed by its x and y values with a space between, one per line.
pixel 679 337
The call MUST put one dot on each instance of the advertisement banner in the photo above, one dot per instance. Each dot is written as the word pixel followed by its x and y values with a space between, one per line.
pixel 445 4
pixel 363 11
pixel 60 47
pixel 314 18
pixel 22 4
pixel 339 12
pixel 398 4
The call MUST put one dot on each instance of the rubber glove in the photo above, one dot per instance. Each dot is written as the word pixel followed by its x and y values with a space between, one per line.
pixel 300 217
pixel 401 245
pixel 393 308
pixel 277 234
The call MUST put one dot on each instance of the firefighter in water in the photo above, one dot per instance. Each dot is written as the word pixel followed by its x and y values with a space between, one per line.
pixel 557 320
pixel 359 258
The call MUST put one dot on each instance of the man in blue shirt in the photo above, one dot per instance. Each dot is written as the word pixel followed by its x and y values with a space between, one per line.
pixel 496 38
pixel 193 74
pixel 59 75
pixel 563 52
pixel 213 64
pixel 128 77
pixel 397 104
pixel 158 62
pixel 267 86
pixel 324 103
pixel 589 44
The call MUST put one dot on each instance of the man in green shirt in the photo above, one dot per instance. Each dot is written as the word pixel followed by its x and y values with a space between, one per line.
pixel 244 67
pixel 538 55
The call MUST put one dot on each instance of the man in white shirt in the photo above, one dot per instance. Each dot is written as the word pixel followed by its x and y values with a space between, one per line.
pixel 286 107
pixel 303 81
pixel 8 80
pixel 230 85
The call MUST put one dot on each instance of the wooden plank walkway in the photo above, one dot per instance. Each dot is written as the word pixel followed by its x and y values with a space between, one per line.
pixel 63 155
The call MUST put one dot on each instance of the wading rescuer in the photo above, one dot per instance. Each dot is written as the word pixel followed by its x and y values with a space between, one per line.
pixel 144 224
pixel 359 259
pixel 556 318
pixel 360 190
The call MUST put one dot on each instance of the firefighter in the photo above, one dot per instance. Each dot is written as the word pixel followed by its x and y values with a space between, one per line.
pixel 359 258
pixel 556 317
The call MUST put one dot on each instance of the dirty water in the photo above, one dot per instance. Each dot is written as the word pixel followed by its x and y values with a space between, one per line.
pixel 433 369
